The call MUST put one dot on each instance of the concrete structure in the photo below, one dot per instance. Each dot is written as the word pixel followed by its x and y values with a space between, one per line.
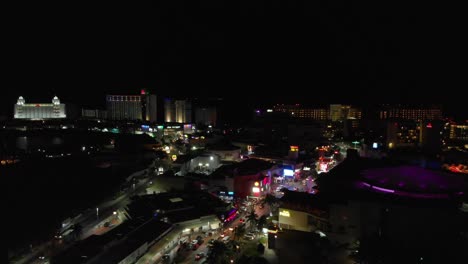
pixel 205 163
pixel 459 132
pixel 178 111
pixel 301 112
pixel 124 107
pixel 206 116
pixel 124 244
pixel 251 177
pixel 340 112
pixel 225 152
pixel 94 113
pixel 408 133
pixel 415 113
pixel 335 112
pixel 183 111
pixel 169 111
pixel 39 111
pixel 149 104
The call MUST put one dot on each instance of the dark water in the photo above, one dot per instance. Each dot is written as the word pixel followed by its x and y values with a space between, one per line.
pixel 42 192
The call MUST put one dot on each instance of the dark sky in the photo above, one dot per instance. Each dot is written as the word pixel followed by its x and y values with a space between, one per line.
pixel 257 51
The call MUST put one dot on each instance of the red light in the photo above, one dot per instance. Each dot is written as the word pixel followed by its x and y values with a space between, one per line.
pixel 336 152
pixel 143 92
pixel 429 125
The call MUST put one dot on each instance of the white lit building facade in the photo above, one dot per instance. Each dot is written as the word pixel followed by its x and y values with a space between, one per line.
pixel 38 111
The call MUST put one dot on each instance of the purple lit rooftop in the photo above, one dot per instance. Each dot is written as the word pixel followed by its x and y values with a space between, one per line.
pixel 412 181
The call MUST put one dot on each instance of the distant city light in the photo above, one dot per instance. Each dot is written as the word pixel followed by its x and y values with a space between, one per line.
pixel 294 148
pixel 269 110
pixel 375 145
pixel 255 190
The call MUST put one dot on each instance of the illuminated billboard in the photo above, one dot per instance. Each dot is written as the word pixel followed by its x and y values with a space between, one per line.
pixel 285 213
pixel 288 172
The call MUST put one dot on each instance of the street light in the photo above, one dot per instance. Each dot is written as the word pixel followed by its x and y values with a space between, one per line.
pixel 97 212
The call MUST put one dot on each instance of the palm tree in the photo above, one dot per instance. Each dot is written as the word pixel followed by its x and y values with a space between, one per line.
pixel 272 202
pixel 252 219
pixel 217 253
pixel 261 222
pixel 78 231
pixel 239 231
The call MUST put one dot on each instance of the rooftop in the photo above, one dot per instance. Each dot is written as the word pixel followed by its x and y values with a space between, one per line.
pixel 246 167
pixel 391 178
pixel 114 245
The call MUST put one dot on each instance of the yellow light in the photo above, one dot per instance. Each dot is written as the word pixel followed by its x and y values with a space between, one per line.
pixel 285 213
pixel 294 148
pixel 256 183
pixel 174 157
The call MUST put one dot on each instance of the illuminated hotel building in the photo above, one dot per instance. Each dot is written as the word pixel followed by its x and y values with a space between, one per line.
pixel 124 107
pixel 39 111
pixel 300 112
pixel 411 113
pixel 335 112
pixel 149 102
pixel 340 112
pixel 459 132
pixel 178 111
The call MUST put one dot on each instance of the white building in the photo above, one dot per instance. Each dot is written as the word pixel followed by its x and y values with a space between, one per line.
pixel 37 111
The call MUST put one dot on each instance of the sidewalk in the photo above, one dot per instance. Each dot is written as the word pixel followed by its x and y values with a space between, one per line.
pixel 271 256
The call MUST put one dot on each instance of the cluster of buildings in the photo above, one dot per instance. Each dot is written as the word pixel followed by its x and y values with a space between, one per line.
pixel 157 224
pixel 388 126
pixel 363 200
pixel 134 107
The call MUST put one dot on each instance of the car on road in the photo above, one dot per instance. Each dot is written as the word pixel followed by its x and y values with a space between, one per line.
pixel 249 236
pixel 194 244
pixel 225 239
pixel 200 255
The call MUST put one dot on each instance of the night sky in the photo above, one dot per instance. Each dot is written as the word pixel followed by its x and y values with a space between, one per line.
pixel 291 51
